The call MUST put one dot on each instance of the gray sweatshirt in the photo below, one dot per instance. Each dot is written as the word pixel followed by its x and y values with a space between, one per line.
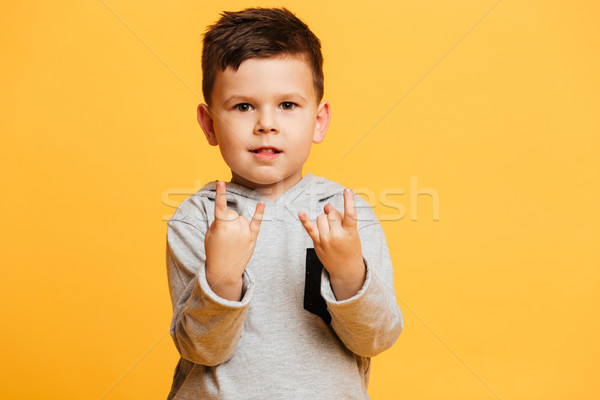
pixel 288 337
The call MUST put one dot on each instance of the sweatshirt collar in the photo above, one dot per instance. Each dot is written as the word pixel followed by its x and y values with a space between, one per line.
pixel 309 184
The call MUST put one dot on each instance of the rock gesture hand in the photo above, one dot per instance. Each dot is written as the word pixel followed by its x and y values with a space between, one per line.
pixel 337 245
pixel 229 244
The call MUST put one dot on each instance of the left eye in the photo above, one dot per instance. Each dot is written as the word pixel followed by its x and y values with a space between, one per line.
pixel 288 105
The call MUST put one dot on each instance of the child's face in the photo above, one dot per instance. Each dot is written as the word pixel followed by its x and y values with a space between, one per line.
pixel 265 118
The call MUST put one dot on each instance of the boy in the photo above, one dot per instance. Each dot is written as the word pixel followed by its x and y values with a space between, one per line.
pixel 267 303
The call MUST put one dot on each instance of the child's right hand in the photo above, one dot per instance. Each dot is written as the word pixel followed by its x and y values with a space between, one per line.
pixel 229 244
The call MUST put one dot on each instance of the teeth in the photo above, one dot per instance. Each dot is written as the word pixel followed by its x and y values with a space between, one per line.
pixel 265 151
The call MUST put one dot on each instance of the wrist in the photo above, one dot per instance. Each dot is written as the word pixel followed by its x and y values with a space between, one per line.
pixel 354 270
pixel 225 286
pixel 349 282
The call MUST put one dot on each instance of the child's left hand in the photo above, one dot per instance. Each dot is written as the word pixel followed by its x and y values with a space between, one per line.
pixel 337 245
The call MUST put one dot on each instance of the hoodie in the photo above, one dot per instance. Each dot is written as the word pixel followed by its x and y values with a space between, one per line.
pixel 288 337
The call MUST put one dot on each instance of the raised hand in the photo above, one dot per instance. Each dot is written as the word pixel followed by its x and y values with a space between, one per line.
pixel 229 244
pixel 337 244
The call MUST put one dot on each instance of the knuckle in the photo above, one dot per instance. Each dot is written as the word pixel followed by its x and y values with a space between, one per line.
pixel 335 236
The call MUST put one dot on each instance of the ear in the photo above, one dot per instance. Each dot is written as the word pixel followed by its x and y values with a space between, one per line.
pixel 323 118
pixel 206 122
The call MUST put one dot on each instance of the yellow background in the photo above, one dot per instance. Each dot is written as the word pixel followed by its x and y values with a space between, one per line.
pixel 494 106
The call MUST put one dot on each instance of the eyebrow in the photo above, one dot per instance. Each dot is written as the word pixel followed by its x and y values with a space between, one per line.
pixel 236 97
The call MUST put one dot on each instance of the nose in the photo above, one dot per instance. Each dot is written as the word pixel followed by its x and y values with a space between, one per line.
pixel 266 123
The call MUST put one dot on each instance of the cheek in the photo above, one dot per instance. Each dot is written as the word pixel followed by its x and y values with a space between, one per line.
pixel 302 149
pixel 230 135
pixel 231 126
pixel 230 146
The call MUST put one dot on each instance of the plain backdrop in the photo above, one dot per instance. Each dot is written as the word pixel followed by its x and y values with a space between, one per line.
pixel 485 112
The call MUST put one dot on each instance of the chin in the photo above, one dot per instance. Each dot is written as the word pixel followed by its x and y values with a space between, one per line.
pixel 259 179
pixel 266 181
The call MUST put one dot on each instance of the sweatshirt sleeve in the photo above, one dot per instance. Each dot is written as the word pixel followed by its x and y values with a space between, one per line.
pixel 370 321
pixel 205 327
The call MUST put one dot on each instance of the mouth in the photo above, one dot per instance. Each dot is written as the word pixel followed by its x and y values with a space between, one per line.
pixel 266 150
pixel 266 153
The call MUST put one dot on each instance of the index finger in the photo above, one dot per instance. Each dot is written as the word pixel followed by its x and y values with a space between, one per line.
pixel 257 218
pixel 349 209
pixel 221 202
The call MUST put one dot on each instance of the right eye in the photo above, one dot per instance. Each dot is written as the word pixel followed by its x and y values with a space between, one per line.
pixel 243 107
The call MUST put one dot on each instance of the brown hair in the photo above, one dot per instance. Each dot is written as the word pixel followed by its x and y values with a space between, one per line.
pixel 258 33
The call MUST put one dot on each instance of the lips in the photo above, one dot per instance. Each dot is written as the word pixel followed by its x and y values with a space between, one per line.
pixel 266 153
pixel 266 150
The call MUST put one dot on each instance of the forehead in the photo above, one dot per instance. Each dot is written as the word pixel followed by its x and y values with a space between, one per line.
pixel 264 78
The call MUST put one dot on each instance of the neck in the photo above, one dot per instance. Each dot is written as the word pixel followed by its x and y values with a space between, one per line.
pixel 271 191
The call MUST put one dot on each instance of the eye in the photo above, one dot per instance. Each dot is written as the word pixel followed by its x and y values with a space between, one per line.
pixel 243 107
pixel 288 105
